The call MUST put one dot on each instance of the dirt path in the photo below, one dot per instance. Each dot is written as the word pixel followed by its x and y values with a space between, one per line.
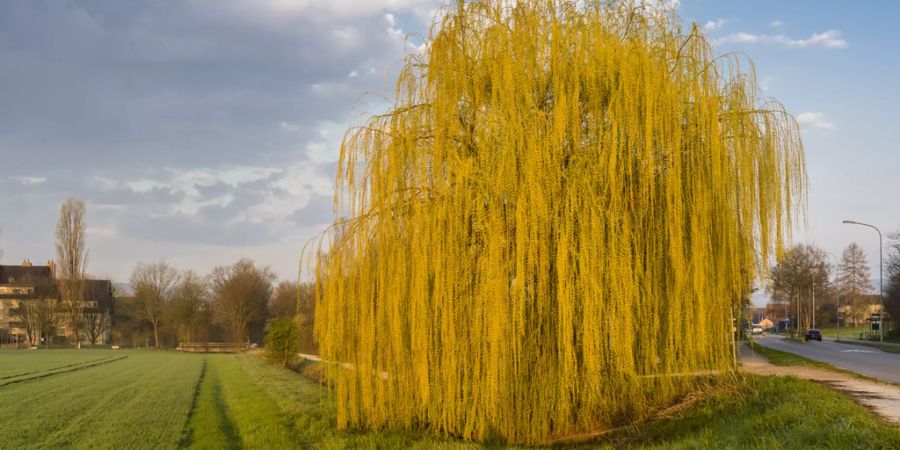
pixel 882 398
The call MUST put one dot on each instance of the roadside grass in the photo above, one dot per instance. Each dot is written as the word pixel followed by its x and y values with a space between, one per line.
pixel 780 358
pixel 854 333
pixel 846 332
pixel 773 413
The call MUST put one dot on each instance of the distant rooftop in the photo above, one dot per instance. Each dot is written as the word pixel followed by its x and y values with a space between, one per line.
pixel 26 273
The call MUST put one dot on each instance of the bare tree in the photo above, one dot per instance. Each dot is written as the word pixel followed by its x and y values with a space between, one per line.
pixel 98 297
pixel 892 288
pixel 40 314
pixel 284 301
pixel 241 294
pixel 854 281
pixel 795 281
pixel 189 300
pixel 71 258
pixel 153 285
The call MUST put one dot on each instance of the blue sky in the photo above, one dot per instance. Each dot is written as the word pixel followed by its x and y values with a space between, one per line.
pixel 205 131
pixel 843 89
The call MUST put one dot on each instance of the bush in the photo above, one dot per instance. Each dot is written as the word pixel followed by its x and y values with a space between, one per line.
pixel 282 340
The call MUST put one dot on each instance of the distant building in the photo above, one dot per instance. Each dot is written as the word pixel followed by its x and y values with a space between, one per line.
pixel 31 314
pixel 757 314
pixel 777 314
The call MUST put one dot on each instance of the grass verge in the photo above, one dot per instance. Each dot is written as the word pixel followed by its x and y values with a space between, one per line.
pixel 780 358
pixel 771 413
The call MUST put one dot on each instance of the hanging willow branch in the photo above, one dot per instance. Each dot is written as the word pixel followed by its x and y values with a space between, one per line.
pixel 558 213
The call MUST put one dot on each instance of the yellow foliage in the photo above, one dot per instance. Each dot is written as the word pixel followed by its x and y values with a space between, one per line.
pixel 560 210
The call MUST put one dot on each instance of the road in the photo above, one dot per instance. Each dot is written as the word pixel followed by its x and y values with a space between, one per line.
pixel 860 359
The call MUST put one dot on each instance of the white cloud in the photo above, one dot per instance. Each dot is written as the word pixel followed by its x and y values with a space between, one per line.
pixel 813 120
pixel 713 25
pixel 776 23
pixel 285 11
pixel 29 181
pixel 739 37
pixel 828 39
pixel 290 127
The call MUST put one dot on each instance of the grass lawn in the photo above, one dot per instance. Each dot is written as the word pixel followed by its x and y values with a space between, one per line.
pixel 17 364
pixel 846 332
pixel 163 400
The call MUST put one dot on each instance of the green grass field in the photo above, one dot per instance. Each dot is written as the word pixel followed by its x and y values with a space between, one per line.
pixel 162 400
pixel 846 332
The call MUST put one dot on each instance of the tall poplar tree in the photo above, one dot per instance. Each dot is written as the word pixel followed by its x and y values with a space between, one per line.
pixel 71 261
pixel 855 281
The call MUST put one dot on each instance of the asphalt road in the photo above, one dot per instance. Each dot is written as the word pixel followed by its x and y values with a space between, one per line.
pixel 860 359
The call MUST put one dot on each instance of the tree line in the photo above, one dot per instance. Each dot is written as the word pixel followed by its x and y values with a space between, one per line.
pixel 162 305
pixel 808 279
pixel 232 303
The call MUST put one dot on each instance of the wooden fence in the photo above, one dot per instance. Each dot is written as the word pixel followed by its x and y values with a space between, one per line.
pixel 211 347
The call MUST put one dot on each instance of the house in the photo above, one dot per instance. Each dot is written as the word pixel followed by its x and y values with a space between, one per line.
pixel 32 313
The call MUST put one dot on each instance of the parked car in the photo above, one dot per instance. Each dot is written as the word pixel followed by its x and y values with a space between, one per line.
pixel 813 334
pixel 757 330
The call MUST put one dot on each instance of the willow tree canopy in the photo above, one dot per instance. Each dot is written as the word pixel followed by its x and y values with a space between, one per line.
pixel 552 223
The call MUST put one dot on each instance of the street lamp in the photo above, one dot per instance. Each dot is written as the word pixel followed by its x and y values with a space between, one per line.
pixel 880 276
pixel 838 295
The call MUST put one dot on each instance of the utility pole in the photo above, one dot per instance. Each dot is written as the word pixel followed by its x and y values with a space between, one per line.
pixel 837 294
pixel 880 276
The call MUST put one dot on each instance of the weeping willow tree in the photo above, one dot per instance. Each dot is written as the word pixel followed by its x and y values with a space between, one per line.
pixel 551 226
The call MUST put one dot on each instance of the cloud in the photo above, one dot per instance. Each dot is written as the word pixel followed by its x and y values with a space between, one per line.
pixel 28 181
pixel 829 39
pixel 214 122
pixel 813 120
pixel 713 25
pixel 776 23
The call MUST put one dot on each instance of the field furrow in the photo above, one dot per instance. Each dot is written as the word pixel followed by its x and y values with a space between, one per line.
pixel 56 371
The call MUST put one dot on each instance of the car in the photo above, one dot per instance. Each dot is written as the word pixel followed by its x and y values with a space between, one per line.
pixel 757 330
pixel 813 334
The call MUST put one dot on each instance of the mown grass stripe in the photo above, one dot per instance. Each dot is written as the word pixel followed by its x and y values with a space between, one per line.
pixel 210 425
pixel 257 417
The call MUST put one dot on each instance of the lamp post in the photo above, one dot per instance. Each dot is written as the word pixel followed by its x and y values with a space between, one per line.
pixel 838 295
pixel 880 277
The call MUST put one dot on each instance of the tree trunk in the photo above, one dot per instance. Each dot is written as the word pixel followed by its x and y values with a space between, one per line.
pixel 156 333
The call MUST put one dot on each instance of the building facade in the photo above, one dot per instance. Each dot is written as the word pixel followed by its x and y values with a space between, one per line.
pixel 32 312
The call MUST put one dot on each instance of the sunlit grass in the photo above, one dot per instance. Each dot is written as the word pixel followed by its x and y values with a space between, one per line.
pixel 167 400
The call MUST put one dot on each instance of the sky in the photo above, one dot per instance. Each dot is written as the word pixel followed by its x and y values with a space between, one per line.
pixel 204 131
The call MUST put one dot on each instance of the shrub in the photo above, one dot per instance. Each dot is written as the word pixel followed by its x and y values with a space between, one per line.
pixel 282 340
